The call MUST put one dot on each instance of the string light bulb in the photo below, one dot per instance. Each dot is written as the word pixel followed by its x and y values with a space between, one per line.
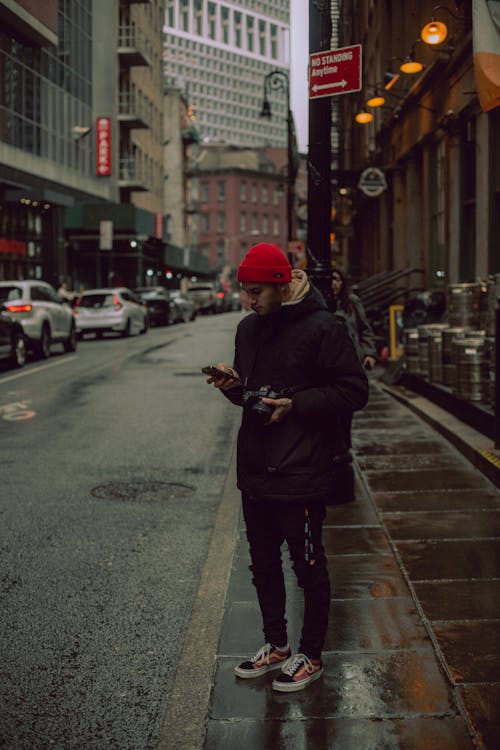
pixel 375 101
pixel 410 66
pixel 364 117
pixel 434 32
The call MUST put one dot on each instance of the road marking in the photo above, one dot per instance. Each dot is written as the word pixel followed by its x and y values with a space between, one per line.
pixel 36 369
pixel 16 412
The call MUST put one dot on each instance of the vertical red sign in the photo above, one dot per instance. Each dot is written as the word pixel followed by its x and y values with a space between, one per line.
pixel 103 146
pixel 159 226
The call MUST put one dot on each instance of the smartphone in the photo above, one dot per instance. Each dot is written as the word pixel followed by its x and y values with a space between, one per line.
pixel 214 372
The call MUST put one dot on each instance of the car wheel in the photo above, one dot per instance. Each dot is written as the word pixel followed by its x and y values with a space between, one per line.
pixel 43 346
pixel 19 353
pixel 70 343
pixel 127 329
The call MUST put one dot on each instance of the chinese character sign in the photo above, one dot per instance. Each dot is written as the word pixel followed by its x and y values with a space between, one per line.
pixel 103 146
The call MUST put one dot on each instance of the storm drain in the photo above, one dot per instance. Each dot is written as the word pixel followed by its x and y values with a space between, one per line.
pixel 142 491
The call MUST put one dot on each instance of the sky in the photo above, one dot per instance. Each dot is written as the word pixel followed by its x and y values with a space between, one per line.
pixel 299 43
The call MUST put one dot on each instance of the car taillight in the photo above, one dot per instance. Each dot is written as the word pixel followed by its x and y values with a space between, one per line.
pixel 220 295
pixel 116 302
pixel 19 308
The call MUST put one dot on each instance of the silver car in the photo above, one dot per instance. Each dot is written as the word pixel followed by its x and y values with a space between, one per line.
pixel 44 316
pixel 110 310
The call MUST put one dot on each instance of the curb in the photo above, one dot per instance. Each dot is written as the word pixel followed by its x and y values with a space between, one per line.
pixel 475 446
pixel 184 724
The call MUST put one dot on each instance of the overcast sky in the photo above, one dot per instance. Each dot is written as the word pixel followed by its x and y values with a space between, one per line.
pixel 299 101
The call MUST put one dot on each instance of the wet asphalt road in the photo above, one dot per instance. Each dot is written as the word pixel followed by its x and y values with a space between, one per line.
pixel 112 463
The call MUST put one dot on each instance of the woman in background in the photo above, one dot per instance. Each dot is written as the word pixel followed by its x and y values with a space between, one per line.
pixel 349 307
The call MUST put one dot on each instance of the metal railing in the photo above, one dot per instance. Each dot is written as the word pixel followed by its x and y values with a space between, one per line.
pixel 130 104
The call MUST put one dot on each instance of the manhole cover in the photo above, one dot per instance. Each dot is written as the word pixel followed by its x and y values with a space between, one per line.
pixel 141 491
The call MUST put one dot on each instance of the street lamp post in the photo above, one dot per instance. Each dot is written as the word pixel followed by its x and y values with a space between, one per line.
pixel 278 80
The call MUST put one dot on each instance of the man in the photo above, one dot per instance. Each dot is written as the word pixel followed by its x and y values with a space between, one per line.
pixel 296 374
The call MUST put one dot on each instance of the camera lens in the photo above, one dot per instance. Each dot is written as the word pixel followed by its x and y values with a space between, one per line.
pixel 261 411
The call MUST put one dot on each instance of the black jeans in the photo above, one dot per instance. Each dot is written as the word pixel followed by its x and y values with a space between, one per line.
pixel 268 525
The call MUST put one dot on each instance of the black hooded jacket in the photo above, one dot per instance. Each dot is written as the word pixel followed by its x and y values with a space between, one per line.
pixel 300 346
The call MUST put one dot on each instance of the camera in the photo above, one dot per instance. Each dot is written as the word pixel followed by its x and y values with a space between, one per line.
pixel 252 400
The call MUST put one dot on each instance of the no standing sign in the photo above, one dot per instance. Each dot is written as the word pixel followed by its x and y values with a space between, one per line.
pixel 337 71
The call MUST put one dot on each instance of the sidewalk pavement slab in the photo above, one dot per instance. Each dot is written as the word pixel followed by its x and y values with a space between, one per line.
pixel 410 561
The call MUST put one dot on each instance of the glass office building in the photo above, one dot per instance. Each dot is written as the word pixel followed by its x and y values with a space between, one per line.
pixel 218 53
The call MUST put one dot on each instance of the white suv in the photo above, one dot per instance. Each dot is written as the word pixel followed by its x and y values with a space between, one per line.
pixel 45 318
pixel 110 310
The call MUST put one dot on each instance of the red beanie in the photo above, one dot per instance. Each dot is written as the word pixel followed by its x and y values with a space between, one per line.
pixel 265 264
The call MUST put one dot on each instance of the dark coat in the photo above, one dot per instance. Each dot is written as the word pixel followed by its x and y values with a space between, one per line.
pixel 358 326
pixel 301 345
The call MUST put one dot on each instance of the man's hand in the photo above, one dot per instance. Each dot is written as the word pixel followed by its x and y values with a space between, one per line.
pixel 281 408
pixel 369 362
pixel 225 384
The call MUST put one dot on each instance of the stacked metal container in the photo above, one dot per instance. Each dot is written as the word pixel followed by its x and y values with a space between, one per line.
pixel 465 303
pixel 493 300
pixel 449 336
pixel 410 346
pixel 470 380
pixel 460 353
pixel 434 351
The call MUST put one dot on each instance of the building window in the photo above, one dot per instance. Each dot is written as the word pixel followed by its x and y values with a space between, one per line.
pixel 221 190
pixel 237 29
pixel 205 222
pixel 204 192
pixel 274 41
pixel 265 194
pixel 224 14
pixel 276 196
pixel 184 15
pixel 170 13
pixel 250 33
pixel 262 38
pixel 221 221
pixel 198 17
pixel 243 222
pixel 255 226
pixel 254 192
pixel 276 226
pixel 265 224
pixel 221 253
pixel 243 191
pixel 212 21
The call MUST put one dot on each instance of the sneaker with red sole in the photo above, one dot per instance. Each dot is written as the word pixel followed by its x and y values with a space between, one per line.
pixel 297 673
pixel 268 657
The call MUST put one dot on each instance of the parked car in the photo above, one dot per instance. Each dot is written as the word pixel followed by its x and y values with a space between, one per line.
pixel 235 300
pixel 161 308
pixel 12 345
pixel 184 306
pixel 44 316
pixel 204 297
pixel 110 310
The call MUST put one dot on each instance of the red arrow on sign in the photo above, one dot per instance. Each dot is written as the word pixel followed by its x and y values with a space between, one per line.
pixel 337 71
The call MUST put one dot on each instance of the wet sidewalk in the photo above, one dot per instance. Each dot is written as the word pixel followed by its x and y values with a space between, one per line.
pixel 412 657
